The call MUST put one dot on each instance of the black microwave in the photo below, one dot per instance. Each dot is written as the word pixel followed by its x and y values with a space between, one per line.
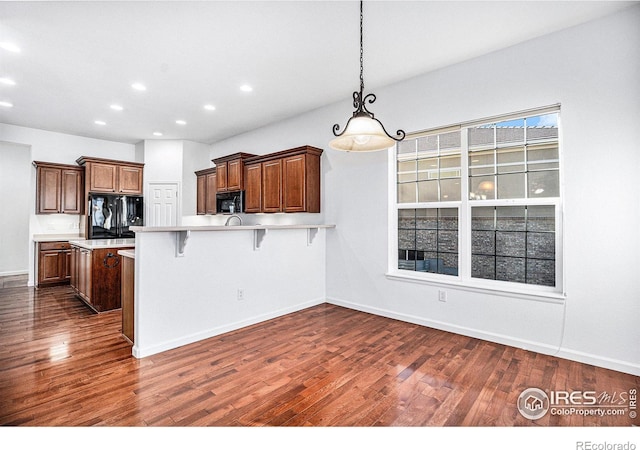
pixel 230 202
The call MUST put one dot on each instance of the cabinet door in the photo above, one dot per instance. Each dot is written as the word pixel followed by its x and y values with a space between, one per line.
pixel 72 198
pixel 73 268
pixel 234 175
pixel 210 196
pixel 48 200
pixel 253 188
pixel 201 187
pixel 49 266
pixel 84 274
pixel 221 173
pixel 294 184
pixel 67 265
pixel 127 286
pixel 103 177
pixel 272 186
pixel 129 180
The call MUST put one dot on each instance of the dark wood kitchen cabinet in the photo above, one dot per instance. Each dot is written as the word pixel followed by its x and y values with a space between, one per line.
pixel 112 176
pixel 253 188
pixel 206 191
pixel 230 172
pixel 127 297
pixel 272 186
pixel 59 188
pixel 301 182
pixel 289 181
pixel 54 263
pixel 96 276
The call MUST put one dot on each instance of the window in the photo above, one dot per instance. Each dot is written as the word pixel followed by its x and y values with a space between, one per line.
pixel 479 203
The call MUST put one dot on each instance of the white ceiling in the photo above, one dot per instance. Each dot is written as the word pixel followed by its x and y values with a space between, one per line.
pixel 78 58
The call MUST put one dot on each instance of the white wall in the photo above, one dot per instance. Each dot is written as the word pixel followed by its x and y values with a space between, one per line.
pixel 59 148
pixel 180 300
pixel 15 163
pixel 195 157
pixel 593 70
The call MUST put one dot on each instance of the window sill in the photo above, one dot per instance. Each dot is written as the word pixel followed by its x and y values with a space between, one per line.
pixel 457 283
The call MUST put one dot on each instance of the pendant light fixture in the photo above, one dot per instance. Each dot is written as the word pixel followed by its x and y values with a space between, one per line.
pixel 363 133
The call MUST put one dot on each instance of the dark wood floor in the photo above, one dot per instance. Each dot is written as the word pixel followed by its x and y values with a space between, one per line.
pixel 60 365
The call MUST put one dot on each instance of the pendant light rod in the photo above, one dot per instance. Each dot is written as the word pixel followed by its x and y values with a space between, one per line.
pixel 363 131
pixel 361 53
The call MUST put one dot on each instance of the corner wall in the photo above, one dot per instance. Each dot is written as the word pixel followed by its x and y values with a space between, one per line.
pixel 592 70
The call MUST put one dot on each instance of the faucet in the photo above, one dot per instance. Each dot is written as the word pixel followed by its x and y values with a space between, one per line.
pixel 226 224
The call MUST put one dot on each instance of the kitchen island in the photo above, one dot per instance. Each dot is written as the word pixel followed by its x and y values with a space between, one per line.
pixel 96 271
pixel 192 283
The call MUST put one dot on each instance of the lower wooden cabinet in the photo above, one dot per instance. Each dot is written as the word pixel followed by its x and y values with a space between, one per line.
pixel 127 295
pixel 96 277
pixel 54 263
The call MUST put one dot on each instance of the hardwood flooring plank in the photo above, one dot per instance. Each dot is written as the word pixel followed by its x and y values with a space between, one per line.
pixel 63 365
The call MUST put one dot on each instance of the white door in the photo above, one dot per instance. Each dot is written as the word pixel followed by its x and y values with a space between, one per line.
pixel 162 205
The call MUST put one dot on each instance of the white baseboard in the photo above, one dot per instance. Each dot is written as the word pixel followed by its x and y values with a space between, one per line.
pixel 14 272
pixel 573 355
pixel 139 352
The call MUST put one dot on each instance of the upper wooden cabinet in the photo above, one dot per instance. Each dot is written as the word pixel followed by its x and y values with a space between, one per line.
pixel 106 175
pixel 230 172
pixel 289 181
pixel 206 191
pixel 272 186
pixel 253 188
pixel 59 188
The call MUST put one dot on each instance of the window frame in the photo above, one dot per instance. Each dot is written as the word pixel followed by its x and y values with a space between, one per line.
pixel 463 280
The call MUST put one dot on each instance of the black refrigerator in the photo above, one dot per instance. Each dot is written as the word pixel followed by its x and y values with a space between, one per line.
pixel 110 216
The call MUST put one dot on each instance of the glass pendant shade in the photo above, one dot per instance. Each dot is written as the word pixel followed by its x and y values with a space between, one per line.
pixel 362 134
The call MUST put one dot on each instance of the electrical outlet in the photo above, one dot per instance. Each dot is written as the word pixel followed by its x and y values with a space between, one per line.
pixel 442 296
pixel 240 295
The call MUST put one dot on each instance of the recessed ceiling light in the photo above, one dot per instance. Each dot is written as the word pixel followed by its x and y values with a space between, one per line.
pixel 100 122
pixel 209 107
pixel 6 104
pixel 246 88
pixel 181 122
pixel 157 133
pixel 7 81
pixel 139 87
pixel 116 107
pixel 8 46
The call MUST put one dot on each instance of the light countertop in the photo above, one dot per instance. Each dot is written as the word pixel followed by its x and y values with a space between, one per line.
pixel 227 228
pixel 127 253
pixel 92 244
pixel 56 237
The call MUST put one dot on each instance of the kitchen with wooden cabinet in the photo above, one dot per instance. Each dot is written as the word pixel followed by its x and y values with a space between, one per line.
pixel 91 266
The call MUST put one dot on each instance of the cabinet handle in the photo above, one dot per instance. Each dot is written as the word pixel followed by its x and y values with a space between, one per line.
pixel 105 261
